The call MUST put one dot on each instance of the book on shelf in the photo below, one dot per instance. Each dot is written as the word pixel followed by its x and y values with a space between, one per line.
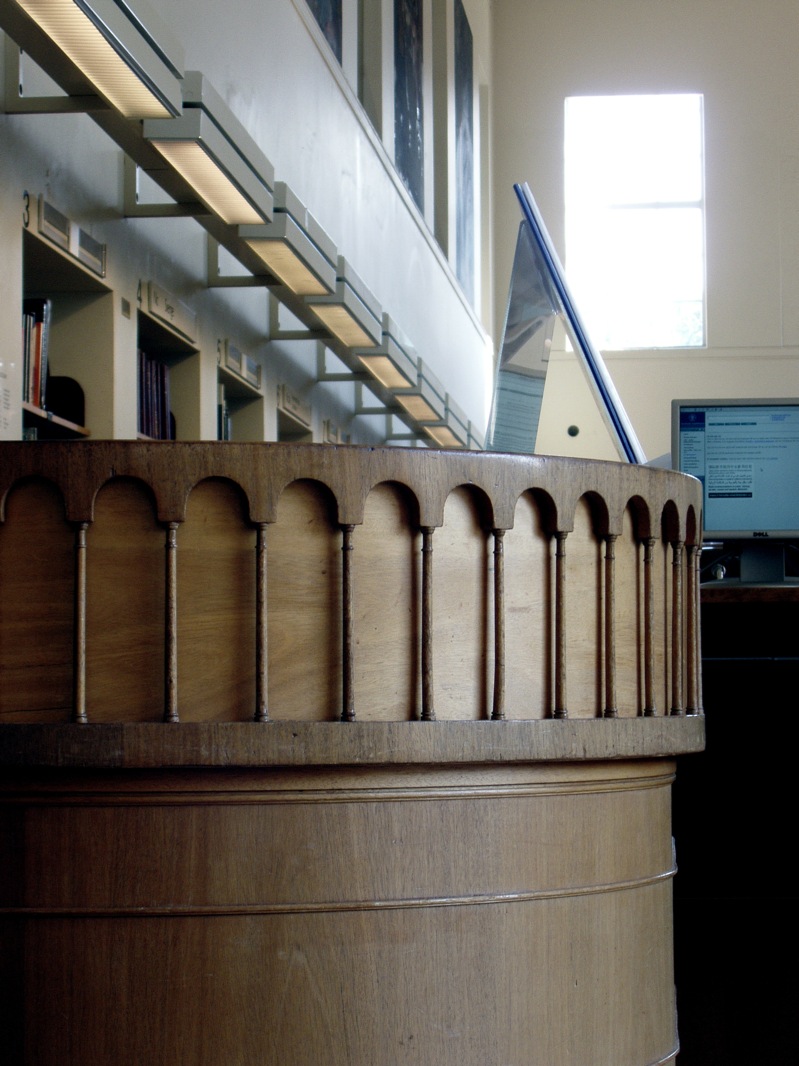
pixel 36 318
pixel 224 425
pixel 155 418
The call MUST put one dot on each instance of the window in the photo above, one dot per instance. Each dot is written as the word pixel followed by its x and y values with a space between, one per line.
pixel 635 250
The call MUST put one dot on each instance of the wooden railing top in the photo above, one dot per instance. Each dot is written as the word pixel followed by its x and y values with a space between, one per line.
pixel 228 745
pixel 666 506
pixel 263 470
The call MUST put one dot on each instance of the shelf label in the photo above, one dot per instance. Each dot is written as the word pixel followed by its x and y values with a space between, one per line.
pixel 67 235
pixel 290 404
pixel 251 369
pixel 168 308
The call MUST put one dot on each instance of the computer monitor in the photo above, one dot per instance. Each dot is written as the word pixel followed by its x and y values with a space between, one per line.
pixel 746 454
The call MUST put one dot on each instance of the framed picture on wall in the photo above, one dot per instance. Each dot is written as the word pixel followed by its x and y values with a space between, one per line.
pixel 464 152
pixel 408 97
pixel 328 14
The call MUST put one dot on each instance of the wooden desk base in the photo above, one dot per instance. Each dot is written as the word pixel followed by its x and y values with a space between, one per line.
pixel 381 915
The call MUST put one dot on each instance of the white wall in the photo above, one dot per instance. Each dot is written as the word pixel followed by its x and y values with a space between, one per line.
pixel 269 62
pixel 743 58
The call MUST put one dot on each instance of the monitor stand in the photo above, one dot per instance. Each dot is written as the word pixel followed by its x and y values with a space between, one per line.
pixel 763 563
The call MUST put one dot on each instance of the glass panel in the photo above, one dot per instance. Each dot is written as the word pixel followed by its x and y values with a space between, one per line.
pixel 526 339
pixel 538 297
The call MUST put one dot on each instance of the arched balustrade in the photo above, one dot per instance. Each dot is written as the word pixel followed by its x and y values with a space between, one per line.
pixel 381 570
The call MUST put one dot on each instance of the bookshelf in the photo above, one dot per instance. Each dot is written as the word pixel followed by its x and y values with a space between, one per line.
pixel 79 343
pixel 95 357
pixel 48 426
pixel 240 397
pixel 165 343
pixel 294 417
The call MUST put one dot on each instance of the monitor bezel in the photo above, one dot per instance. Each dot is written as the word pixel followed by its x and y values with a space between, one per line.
pixel 767 535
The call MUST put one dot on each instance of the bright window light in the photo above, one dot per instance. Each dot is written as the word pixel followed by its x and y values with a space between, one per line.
pixel 635 247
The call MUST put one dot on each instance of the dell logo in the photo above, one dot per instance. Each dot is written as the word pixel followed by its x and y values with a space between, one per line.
pixel 759 533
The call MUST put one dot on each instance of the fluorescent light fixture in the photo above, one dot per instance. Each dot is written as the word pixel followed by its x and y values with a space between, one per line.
pixel 393 362
pixel 209 147
pixel 457 424
pixel 443 436
pixel 121 47
pixel 350 312
pixel 294 246
pixel 452 430
pixel 425 401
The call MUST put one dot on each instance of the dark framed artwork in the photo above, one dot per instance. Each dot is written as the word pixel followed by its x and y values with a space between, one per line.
pixel 408 97
pixel 328 14
pixel 464 151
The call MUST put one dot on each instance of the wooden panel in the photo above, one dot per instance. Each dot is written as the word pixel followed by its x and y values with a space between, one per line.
pixel 216 606
pixel 356 840
pixel 387 564
pixel 462 612
pixel 584 606
pixel 452 986
pixel 630 622
pixel 515 915
pixel 529 625
pixel 663 622
pixel 36 606
pixel 125 607
pixel 304 606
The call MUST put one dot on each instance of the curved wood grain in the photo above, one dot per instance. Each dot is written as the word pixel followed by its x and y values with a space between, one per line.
pixel 369 756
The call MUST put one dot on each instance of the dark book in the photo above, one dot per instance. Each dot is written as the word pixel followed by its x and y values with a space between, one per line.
pixel 155 418
pixel 37 314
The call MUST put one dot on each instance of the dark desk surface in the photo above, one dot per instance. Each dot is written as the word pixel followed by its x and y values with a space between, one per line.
pixel 735 592
pixel 735 896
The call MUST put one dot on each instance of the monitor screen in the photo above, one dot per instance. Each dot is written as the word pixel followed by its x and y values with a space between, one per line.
pixel 746 454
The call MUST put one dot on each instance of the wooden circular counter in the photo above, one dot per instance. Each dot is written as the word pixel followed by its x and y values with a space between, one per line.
pixel 340 755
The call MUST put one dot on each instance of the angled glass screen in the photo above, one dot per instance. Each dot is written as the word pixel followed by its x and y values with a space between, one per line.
pixel 538 296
